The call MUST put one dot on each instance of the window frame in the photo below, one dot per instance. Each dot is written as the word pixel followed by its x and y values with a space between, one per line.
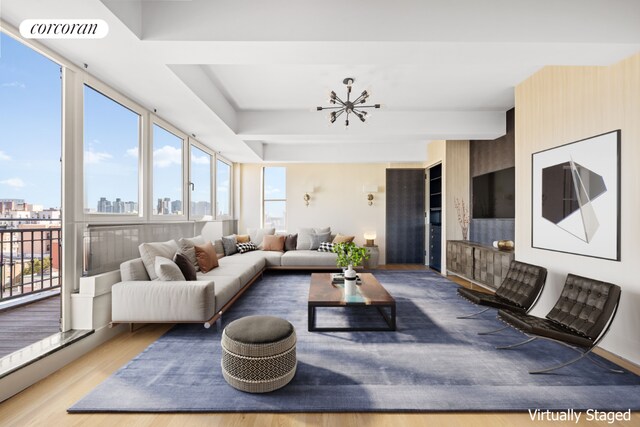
pixel 197 144
pixel 263 199
pixel 143 152
pixel 155 120
pixel 219 158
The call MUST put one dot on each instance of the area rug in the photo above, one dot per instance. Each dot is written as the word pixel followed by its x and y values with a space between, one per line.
pixel 434 362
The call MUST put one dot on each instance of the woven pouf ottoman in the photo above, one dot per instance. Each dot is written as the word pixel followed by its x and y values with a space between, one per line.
pixel 259 353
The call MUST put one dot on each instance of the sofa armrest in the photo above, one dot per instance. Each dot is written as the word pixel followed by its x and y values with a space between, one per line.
pixel 159 301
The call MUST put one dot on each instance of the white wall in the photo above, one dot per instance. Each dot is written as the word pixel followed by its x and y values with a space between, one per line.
pixel 559 105
pixel 337 201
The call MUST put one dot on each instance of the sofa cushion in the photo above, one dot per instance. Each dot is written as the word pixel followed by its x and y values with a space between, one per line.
pixel 167 270
pixel 245 272
pixel 206 256
pixel 226 288
pixel 186 246
pixel 291 242
pixel 185 266
pixel 307 258
pixel 161 301
pixel 133 270
pixel 273 243
pixel 229 243
pixel 310 238
pixel 257 234
pixel 266 258
pixel 149 252
pixel 257 262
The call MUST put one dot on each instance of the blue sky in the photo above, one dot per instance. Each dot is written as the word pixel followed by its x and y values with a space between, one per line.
pixel 30 120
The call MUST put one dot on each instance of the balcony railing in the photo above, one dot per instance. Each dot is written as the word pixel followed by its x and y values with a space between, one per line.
pixel 30 259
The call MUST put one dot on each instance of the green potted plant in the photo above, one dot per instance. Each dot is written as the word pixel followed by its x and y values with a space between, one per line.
pixel 350 255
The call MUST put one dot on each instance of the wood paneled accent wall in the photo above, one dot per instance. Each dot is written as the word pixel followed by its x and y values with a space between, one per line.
pixel 558 105
pixel 491 156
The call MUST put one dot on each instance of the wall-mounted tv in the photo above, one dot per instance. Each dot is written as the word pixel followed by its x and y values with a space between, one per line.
pixel 494 194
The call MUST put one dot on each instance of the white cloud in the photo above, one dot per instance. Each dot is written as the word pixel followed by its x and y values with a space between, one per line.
pixel 4 157
pixel 94 157
pixel 166 156
pixel 16 84
pixel 133 152
pixel 200 160
pixel 271 190
pixel 13 182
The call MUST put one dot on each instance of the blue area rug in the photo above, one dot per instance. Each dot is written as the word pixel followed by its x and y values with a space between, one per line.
pixel 434 362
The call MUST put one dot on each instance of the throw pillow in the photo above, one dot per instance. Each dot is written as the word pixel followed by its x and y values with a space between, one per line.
pixel 304 238
pixel 273 243
pixel 291 242
pixel 187 248
pixel 325 247
pixel 219 248
pixel 246 247
pixel 167 270
pixel 149 252
pixel 322 230
pixel 257 234
pixel 242 238
pixel 185 266
pixel 133 271
pixel 229 244
pixel 206 256
pixel 315 242
pixel 343 239
pixel 324 237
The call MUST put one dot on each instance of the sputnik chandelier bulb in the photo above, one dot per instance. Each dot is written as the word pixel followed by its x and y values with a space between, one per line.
pixel 348 107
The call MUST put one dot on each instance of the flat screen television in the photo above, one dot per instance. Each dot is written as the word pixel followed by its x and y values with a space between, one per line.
pixel 494 194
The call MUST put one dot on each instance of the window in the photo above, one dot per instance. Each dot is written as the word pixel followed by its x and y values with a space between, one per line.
pixel 167 172
pixel 200 183
pixel 223 189
pixel 274 198
pixel 111 149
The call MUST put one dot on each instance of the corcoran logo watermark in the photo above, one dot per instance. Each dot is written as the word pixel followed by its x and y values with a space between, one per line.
pixel 64 28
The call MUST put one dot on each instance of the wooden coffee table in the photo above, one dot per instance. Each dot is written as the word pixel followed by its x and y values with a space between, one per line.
pixel 322 293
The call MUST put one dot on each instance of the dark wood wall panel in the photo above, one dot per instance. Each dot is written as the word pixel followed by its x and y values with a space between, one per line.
pixel 491 156
pixel 405 221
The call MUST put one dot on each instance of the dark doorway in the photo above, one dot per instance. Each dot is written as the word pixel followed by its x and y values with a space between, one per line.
pixel 405 224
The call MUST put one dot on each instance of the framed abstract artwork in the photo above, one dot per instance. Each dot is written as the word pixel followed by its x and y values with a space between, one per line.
pixel 576 197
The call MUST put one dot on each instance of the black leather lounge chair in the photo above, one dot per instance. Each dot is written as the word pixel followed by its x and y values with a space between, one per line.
pixel 579 320
pixel 518 292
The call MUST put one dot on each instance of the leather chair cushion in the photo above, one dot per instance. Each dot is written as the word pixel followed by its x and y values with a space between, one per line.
pixel 490 300
pixel 523 284
pixel 585 305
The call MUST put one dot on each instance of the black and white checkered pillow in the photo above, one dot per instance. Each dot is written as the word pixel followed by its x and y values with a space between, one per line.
pixel 246 247
pixel 325 247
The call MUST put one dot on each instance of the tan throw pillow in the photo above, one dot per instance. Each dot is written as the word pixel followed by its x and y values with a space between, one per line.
pixel 343 239
pixel 273 243
pixel 242 238
pixel 206 256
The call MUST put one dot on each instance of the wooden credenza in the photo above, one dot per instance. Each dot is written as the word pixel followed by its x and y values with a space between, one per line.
pixel 482 264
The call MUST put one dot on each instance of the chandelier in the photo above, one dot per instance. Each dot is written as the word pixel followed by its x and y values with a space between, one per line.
pixel 348 107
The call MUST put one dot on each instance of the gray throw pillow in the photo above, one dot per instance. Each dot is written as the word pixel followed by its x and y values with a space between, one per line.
pixel 305 238
pixel 229 244
pixel 187 248
pixel 324 237
pixel 291 242
pixel 315 242
pixel 322 230
pixel 219 247
pixel 149 252
pixel 167 270
pixel 133 271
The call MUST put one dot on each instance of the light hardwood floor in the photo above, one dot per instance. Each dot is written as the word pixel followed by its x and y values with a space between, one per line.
pixel 45 403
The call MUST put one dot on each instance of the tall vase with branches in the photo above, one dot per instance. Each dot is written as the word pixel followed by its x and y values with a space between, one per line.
pixel 463 217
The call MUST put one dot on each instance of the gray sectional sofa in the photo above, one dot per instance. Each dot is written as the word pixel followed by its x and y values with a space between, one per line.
pixel 139 299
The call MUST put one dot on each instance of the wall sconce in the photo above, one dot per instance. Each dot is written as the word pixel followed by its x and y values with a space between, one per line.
pixel 307 196
pixel 369 237
pixel 370 190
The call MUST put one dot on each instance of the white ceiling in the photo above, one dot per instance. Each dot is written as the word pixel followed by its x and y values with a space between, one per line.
pixel 244 76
